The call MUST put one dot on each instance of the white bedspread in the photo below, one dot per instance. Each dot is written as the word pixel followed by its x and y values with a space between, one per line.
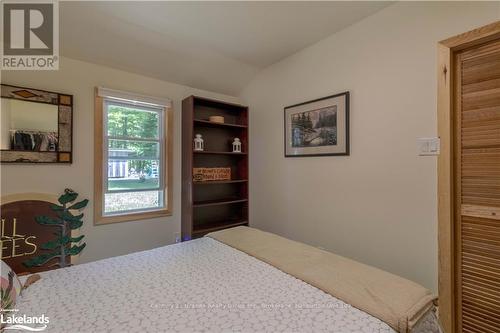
pixel 201 285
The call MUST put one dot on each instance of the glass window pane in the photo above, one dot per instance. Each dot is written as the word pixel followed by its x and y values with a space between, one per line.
pixel 129 149
pixel 129 201
pixel 132 122
pixel 133 174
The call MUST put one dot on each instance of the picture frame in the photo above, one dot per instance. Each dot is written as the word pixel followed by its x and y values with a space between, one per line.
pixel 319 127
pixel 62 152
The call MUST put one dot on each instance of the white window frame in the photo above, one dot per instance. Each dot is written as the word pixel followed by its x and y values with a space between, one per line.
pixel 104 98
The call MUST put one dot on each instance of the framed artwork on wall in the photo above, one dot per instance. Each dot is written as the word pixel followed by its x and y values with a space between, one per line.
pixel 318 128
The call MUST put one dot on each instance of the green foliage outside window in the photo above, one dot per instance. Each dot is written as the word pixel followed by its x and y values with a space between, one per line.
pixel 135 123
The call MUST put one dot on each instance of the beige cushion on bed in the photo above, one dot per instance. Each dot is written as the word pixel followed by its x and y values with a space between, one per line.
pixel 397 301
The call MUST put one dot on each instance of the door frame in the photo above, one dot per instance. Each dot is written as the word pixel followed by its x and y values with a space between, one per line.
pixel 447 50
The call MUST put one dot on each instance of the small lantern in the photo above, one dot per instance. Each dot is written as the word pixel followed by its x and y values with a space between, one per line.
pixel 236 145
pixel 198 143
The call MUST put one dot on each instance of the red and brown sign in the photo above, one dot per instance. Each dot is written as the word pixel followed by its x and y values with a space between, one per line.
pixel 21 236
pixel 211 174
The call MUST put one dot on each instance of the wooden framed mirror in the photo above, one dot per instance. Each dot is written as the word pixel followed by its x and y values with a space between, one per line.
pixel 36 126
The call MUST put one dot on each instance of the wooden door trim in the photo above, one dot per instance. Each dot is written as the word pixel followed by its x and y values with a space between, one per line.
pixel 447 50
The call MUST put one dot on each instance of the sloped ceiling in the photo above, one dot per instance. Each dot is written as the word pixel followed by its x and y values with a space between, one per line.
pixel 217 46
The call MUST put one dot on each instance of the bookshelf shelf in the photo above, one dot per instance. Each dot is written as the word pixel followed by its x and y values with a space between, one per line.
pixel 218 152
pixel 215 182
pixel 218 202
pixel 218 225
pixel 200 122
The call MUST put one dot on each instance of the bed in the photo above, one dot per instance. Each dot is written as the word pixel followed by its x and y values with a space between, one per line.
pixel 234 280
pixel 203 285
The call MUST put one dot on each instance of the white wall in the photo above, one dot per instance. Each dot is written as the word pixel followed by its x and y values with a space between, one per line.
pixel 378 205
pixel 79 79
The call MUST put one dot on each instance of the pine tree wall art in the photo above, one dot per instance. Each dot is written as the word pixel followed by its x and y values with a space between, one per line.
pixel 63 245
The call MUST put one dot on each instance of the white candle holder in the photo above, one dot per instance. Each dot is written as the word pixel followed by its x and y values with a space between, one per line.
pixel 236 145
pixel 198 144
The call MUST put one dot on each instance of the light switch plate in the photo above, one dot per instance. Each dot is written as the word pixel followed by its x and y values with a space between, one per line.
pixel 428 146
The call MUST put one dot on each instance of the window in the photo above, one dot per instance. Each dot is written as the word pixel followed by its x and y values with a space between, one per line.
pixel 132 157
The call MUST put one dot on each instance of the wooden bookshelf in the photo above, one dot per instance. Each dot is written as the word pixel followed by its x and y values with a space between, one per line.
pixel 213 205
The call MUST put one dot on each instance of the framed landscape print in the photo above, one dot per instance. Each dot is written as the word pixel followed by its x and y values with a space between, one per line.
pixel 318 128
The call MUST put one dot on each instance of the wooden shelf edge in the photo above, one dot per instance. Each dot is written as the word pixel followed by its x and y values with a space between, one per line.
pixel 210 227
pixel 214 124
pixel 229 201
pixel 218 152
pixel 215 101
pixel 214 182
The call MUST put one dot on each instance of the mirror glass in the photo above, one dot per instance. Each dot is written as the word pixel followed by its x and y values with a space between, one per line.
pixel 28 126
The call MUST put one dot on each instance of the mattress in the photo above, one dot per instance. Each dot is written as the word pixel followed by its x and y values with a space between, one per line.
pixel 196 286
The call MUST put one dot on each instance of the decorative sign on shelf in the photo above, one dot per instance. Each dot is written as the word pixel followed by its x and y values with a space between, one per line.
pixel 211 174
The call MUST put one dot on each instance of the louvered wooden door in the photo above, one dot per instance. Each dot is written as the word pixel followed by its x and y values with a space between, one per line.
pixel 477 188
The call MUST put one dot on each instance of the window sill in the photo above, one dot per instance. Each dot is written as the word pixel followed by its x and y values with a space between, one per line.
pixel 129 217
